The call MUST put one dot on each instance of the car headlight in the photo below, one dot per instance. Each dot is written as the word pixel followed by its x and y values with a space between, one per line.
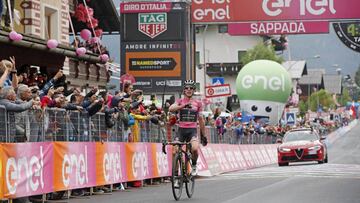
pixel 316 148
pixel 284 149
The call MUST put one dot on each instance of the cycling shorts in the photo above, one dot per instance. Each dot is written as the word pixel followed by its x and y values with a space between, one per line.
pixel 186 134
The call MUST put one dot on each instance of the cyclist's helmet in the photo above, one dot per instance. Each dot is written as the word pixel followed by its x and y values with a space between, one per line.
pixel 190 83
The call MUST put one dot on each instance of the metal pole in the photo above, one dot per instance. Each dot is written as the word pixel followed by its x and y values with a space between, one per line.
pixel 204 56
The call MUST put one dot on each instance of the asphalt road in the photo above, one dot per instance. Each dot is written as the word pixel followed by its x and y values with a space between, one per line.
pixel 335 182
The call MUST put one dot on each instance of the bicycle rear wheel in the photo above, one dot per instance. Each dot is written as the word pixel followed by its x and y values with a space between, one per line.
pixel 177 176
pixel 190 180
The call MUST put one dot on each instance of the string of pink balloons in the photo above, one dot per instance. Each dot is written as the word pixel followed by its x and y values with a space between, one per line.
pixel 53 43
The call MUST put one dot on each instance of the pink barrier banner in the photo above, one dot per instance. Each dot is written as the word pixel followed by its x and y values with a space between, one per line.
pixel 110 159
pixel 26 169
pixel 74 165
pixel 211 160
pixel 265 154
pixel 161 162
pixel 138 161
pixel 38 168
pixel 278 28
pixel 272 151
pixel 247 156
pixel 273 10
pixel 255 158
pixel 260 155
pixel 240 159
pixel 230 155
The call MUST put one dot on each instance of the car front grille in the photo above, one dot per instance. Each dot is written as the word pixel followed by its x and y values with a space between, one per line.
pixel 303 158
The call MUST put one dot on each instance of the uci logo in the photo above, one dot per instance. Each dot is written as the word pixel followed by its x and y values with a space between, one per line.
pixel 273 83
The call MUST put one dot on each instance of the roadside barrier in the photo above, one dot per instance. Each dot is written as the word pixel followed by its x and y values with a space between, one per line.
pixel 44 167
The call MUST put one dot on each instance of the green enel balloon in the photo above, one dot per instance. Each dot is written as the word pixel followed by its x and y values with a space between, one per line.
pixel 263 80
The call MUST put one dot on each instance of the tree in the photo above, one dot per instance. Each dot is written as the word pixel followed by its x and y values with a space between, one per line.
pixel 260 51
pixel 357 76
pixel 322 99
pixel 345 97
pixel 303 107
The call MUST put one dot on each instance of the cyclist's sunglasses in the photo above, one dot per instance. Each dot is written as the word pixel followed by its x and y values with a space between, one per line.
pixel 189 88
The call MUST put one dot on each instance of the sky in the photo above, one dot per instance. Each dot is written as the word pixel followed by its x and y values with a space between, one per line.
pixel 333 53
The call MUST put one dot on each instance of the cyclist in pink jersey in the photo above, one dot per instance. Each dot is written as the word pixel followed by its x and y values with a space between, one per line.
pixel 189 110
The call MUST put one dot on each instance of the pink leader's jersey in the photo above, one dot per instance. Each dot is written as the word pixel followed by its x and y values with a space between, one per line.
pixel 196 106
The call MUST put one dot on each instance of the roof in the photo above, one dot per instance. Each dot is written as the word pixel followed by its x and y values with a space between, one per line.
pixel 106 13
pixel 332 83
pixel 295 68
pixel 314 76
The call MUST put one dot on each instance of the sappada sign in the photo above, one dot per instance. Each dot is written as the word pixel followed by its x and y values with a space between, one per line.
pixel 273 10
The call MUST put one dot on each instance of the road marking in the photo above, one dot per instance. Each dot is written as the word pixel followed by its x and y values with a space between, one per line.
pixel 315 170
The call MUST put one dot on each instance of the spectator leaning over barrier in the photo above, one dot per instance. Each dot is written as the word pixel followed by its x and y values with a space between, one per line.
pixel 50 84
pixel 22 119
pixel 8 99
pixel 92 104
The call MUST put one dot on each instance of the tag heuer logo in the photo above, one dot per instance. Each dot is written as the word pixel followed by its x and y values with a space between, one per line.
pixel 152 24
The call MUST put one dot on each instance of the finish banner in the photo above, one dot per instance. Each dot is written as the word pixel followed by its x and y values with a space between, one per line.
pixel 204 11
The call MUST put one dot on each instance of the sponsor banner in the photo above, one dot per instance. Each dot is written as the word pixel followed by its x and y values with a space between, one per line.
pixel 265 155
pixel 273 10
pixel 217 91
pixel 153 64
pixel 110 159
pixel 74 165
pixel 26 169
pixel 277 28
pixel 245 149
pixel 272 151
pixel 254 155
pixel 229 151
pixel 38 168
pixel 240 158
pixel 152 46
pixel 152 24
pixel 139 165
pixel 153 27
pixel 162 162
pixel 221 158
pixel 211 159
pixel 202 162
pixel 145 7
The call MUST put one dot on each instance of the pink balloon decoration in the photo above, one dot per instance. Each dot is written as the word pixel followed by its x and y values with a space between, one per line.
pixel 95 40
pixel 13 35
pixel 80 51
pixel 52 43
pixel 104 57
pixel 85 34
pixel 18 37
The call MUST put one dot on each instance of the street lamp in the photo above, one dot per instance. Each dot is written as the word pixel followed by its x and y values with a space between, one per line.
pixel 338 69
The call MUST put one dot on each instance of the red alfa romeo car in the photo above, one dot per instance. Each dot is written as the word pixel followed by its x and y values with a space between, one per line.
pixel 302 145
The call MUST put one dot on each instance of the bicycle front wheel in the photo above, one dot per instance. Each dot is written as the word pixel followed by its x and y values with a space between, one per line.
pixel 177 176
pixel 190 180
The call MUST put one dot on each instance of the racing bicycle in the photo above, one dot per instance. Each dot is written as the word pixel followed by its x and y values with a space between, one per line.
pixel 181 169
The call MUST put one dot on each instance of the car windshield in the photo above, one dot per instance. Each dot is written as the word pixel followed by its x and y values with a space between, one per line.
pixel 300 135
